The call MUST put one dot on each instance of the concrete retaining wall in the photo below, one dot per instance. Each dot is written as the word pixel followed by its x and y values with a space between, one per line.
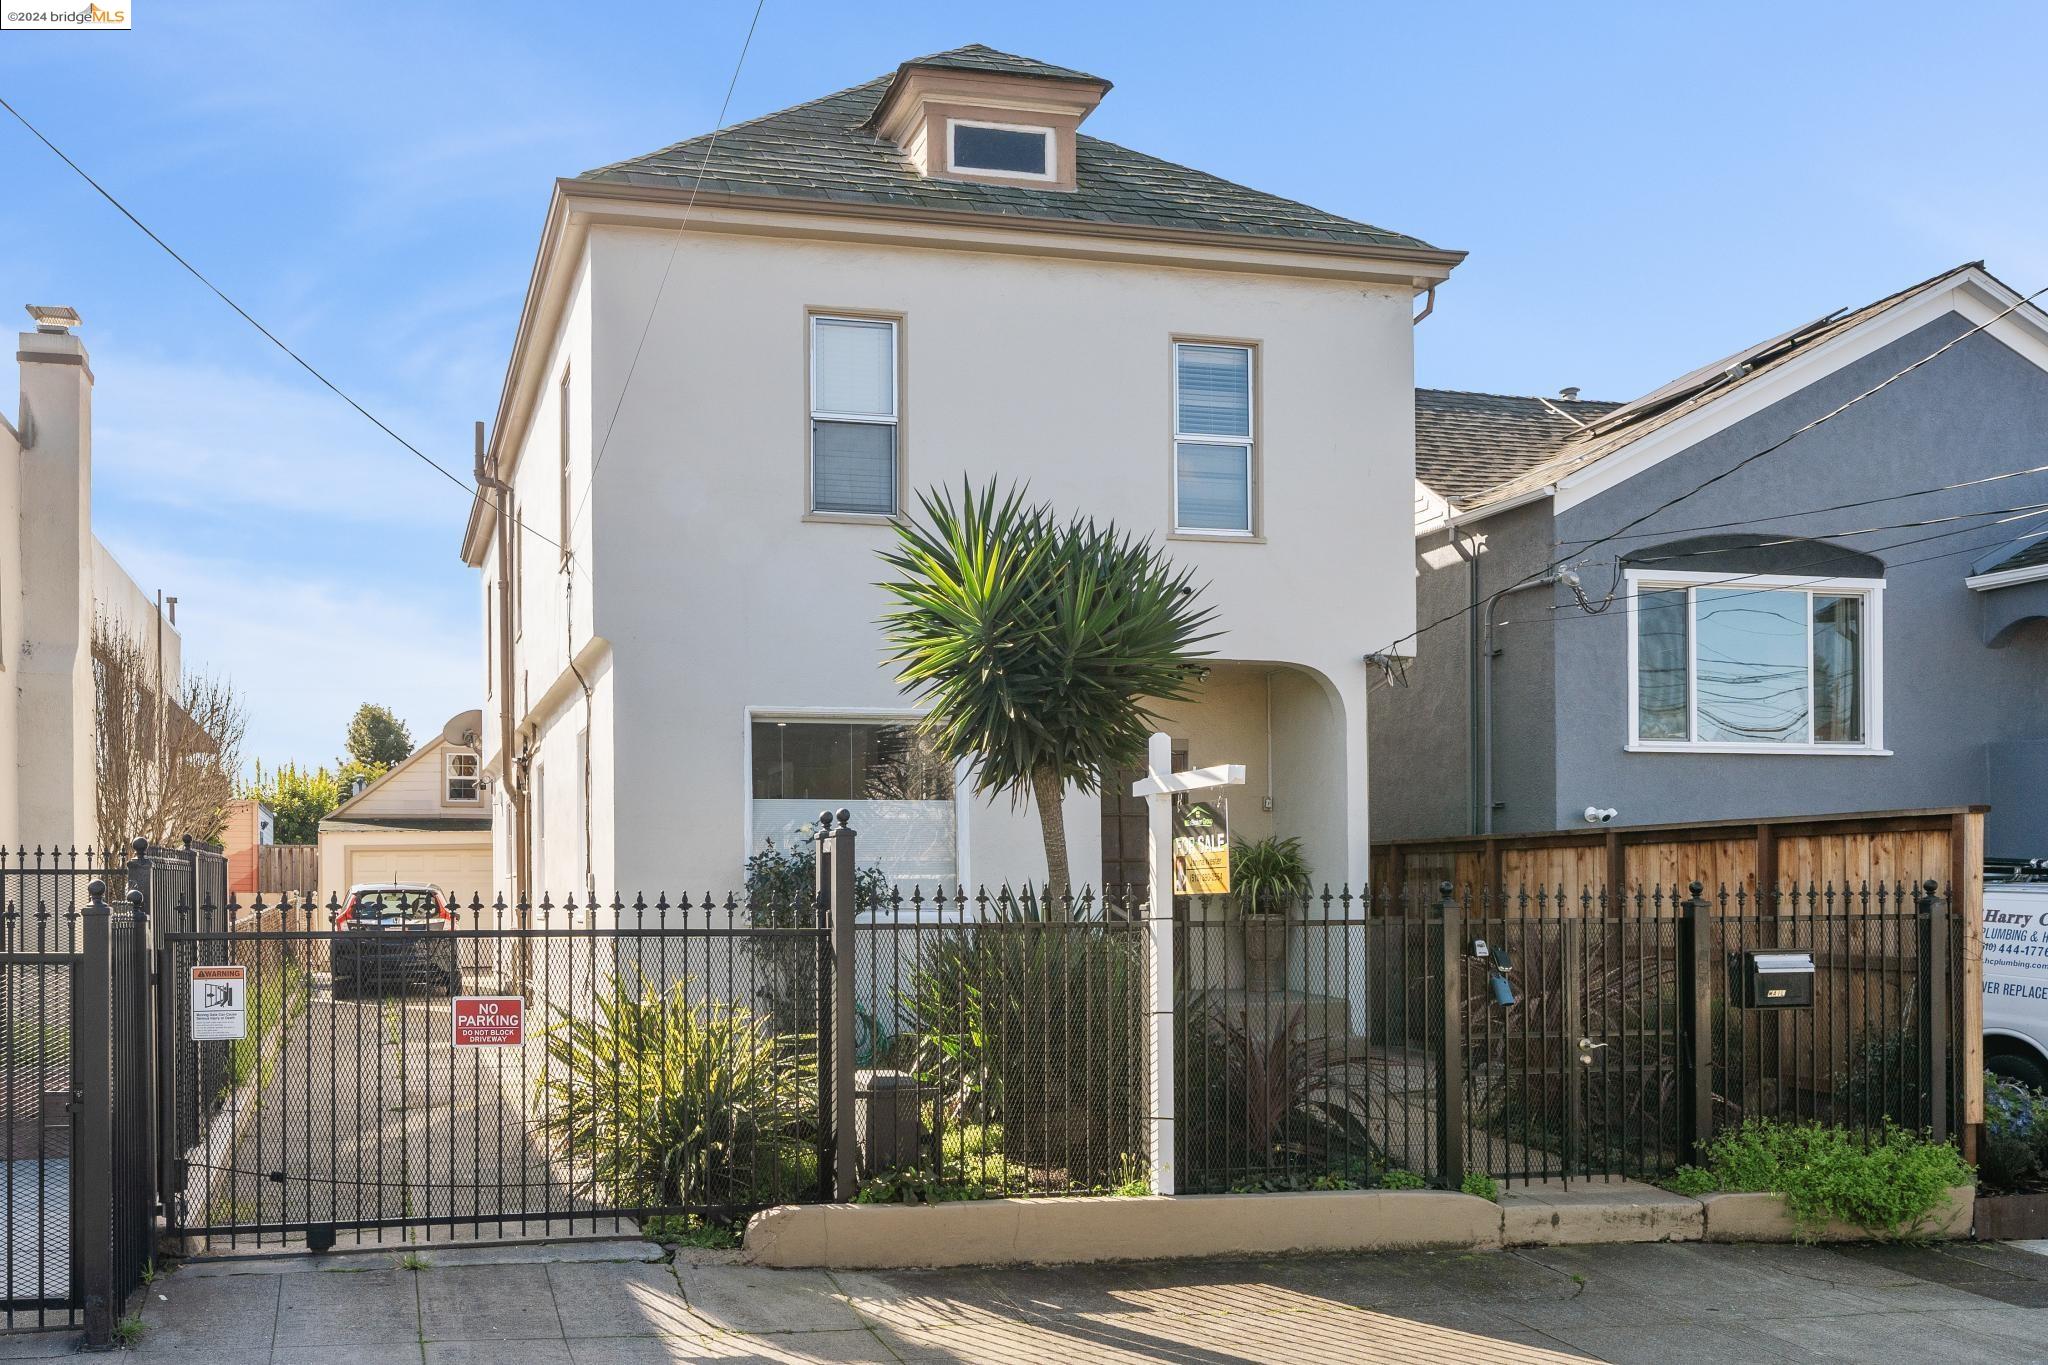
pixel 1065 1231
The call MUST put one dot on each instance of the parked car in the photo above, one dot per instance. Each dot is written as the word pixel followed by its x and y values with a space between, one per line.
pixel 392 939
pixel 2016 977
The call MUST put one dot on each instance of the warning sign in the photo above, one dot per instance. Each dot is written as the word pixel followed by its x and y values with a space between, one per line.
pixel 220 1003
pixel 490 1021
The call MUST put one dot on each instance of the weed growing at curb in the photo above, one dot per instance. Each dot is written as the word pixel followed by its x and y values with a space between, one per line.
pixel 1481 1184
pixel 1402 1180
pixel 128 1330
pixel 412 1260
pixel 1888 1185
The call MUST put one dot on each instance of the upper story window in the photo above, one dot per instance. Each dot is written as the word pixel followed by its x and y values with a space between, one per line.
pixel 1001 149
pixel 1756 664
pixel 460 774
pixel 1213 439
pixel 854 416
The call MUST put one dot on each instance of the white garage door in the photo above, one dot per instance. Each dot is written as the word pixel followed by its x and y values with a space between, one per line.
pixel 460 872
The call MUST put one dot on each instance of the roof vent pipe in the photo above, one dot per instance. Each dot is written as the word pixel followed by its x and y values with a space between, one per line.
pixel 1569 395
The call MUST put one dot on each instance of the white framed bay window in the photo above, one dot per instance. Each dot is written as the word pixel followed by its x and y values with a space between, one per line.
pixel 856 416
pixel 1215 445
pixel 1755 663
pixel 905 804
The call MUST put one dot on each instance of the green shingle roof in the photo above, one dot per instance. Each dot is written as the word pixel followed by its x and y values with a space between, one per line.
pixel 975 57
pixel 821 150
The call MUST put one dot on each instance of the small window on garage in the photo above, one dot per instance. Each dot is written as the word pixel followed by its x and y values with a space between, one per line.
pixel 463 788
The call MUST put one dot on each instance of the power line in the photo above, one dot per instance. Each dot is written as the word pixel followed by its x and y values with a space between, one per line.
pixel 647 326
pixel 1835 507
pixel 245 315
pixel 1556 564
pixel 2025 507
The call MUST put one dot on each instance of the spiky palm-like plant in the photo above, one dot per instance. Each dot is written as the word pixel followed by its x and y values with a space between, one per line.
pixel 1037 644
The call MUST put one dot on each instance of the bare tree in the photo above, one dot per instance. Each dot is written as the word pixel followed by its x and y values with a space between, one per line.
pixel 168 750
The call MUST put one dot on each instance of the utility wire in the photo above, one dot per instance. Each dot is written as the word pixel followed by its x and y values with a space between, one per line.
pixel 1747 460
pixel 647 326
pixel 244 313
pixel 1835 507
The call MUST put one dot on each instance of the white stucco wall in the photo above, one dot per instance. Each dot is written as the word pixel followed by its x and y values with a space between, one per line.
pixel 712 594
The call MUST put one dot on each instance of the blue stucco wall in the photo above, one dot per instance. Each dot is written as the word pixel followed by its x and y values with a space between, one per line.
pixel 1966 721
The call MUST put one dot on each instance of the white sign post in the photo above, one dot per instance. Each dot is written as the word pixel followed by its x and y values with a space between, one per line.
pixel 220 1003
pixel 1159 786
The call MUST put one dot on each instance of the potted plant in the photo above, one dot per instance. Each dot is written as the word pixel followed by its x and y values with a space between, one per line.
pixel 1267 875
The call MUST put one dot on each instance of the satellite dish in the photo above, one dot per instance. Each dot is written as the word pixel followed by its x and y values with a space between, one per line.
pixel 465 730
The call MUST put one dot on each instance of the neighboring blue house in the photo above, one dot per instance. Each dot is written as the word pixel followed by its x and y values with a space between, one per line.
pixel 1856 620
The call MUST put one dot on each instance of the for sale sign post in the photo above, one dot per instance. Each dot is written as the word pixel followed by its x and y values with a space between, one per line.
pixel 490 1021
pixel 220 1003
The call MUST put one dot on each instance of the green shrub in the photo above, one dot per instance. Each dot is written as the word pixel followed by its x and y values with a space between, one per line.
pixel 655 1100
pixel 920 1187
pixel 1481 1184
pixel 2014 1153
pixel 1402 1180
pixel 1029 1030
pixel 782 891
pixel 1693 1180
pixel 1887 1184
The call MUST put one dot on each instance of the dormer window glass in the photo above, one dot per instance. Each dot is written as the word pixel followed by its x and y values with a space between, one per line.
pixel 1001 149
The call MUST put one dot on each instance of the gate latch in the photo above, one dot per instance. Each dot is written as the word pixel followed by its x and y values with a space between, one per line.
pixel 1586 1049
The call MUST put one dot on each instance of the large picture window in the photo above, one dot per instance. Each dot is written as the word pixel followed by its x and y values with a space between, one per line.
pixel 899 791
pixel 1212 439
pixel 1755 664
pixel 853 416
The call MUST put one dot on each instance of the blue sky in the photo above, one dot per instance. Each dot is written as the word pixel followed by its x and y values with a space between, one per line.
pixel 1641 188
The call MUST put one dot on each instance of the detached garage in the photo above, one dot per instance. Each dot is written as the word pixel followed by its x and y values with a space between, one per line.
pixel 424 821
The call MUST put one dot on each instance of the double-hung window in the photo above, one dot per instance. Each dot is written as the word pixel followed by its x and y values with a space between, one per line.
pixel 1213 439
pixel 1756 664
pixel 854 416
pixel 461 772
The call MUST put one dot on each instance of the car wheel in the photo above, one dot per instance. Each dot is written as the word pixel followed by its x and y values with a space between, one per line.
pixel 2019 1066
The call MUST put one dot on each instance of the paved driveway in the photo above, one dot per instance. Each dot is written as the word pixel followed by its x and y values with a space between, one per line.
pixel 1666 1304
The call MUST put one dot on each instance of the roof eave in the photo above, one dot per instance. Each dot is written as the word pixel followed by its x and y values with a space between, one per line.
pixel 903 70
pixel 1427 264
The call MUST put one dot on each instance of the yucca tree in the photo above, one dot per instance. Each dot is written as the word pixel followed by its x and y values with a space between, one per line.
pixel 1037 645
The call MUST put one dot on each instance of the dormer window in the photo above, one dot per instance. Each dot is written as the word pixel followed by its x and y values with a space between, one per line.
pixel 1006 149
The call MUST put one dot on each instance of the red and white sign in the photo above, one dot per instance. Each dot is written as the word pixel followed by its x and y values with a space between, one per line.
pixel 489 1021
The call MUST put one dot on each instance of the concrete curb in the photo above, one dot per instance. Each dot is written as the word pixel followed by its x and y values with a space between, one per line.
pixel 1762 1218
pixel 1065 1231
pixel 1060 1231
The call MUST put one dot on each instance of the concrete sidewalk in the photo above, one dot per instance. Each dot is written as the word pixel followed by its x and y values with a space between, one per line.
pixel 583 1304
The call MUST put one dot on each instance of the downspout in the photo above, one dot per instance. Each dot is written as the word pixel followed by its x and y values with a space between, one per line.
pixel 1487 652
pixel 522 856
pixel 1473 782
pixel 589 740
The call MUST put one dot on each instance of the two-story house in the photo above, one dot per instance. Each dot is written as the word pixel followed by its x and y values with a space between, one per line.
pixel 740 358
pixel 1805 579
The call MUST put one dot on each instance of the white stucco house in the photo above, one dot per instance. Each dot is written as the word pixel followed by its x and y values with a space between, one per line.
pixel 741 356
pixel 56 578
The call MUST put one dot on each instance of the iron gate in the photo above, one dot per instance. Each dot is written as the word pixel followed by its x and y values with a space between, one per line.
pixel 667 1063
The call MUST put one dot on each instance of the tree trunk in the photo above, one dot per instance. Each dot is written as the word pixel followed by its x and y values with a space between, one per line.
pixel 1050 794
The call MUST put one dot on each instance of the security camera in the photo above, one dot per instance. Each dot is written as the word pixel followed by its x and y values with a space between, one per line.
pixel 1601 815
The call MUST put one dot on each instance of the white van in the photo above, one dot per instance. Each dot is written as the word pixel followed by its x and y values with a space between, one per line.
pixel 2016 980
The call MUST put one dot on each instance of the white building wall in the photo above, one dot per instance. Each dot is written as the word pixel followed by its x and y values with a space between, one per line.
pixel 723 597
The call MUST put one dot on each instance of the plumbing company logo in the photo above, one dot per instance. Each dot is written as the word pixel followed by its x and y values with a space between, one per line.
pixel 20 14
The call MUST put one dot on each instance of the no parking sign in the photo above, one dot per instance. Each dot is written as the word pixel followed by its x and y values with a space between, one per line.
pixel 489 1020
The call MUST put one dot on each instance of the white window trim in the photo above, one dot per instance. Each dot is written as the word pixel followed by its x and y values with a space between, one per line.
pixel 1872 592
pixel 893 420
pixel 962 800
pixel 449 777
pixel 1052 150
pixel 1248 443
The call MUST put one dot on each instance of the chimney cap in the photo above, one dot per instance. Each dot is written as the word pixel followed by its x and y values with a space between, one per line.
pixel 1569 394
pixel 53 319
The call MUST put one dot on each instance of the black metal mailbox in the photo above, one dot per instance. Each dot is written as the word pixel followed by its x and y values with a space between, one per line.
pixel 1768 979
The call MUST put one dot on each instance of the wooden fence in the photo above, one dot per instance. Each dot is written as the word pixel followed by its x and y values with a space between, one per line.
pixel 287 867
pixel 1845 852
